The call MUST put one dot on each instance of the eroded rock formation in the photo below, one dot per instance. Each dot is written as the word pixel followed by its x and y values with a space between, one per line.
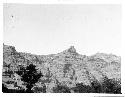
pixel 66 68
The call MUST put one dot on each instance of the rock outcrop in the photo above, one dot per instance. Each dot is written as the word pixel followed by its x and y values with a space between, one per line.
pixel 66 68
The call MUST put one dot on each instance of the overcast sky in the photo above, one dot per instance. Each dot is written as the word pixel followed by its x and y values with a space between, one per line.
pixel 50 29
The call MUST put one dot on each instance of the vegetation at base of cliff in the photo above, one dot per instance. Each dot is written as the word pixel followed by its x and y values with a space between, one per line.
pixel 107 86
pixel 30 76
pixel 6 90
pixel 61 89
pixel 111 86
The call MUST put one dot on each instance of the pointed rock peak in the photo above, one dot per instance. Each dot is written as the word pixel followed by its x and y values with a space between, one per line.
pixel 72 49
pixel 69 51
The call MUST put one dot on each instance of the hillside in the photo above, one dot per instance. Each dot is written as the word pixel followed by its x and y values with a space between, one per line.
pixel 67 68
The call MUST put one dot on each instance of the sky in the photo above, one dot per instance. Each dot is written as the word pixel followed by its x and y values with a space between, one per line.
pixel 51 28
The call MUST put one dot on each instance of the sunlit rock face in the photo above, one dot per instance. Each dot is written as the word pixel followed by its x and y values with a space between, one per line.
pixel 66 68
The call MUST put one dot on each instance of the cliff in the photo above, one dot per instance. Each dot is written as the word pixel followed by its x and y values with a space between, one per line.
pixel 67 68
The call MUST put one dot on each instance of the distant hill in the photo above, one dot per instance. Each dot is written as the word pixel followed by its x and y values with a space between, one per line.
pixel 66 68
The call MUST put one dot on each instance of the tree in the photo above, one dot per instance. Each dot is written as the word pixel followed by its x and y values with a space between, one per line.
pixel 30 76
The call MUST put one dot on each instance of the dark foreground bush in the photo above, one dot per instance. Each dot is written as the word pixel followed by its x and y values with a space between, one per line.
pixel 96 87
pixel 111 86
pixel 61 89
pixel 39 89
pixel 80 88
pixel 107 86
pixel 6 90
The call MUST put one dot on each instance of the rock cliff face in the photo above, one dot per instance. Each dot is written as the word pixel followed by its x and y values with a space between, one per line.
pixel 67 68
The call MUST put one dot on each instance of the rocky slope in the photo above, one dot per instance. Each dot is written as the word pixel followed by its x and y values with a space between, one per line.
pixel 67 68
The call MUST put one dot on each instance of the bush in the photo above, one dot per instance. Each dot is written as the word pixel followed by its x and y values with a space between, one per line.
pixel 61 89
pixel 80 88
pixel 96 87
pixel 107 86
pixel 6 90
pixel 39 89
pixel 111 86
